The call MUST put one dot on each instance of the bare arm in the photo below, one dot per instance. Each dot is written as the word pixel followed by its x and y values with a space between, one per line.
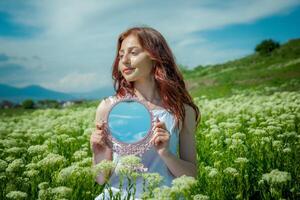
pixel 101 152
pixel 187 164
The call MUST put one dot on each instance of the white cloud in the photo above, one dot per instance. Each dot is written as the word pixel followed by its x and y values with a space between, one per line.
pixel 77 39
pixel 77 82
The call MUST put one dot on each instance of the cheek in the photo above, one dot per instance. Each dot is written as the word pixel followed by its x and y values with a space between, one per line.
pixel 142 64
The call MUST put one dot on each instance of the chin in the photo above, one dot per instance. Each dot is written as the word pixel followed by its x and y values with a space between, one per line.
pixel 130 79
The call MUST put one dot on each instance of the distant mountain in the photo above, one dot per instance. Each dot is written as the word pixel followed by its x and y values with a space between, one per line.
pixel 36 92
pixel 95 94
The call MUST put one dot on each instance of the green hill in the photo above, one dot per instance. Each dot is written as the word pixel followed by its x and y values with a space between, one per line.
pixel 279 71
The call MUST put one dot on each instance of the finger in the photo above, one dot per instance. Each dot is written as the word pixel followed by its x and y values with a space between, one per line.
pixel 99 137
pixel 161 125
pixel 96 139
pixel 160 139
pixel 156 121
pixel 100 132
pixel 160 130
pixel 101 124
pixel 159 134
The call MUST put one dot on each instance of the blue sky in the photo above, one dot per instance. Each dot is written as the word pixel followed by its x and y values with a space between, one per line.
pixel 69 45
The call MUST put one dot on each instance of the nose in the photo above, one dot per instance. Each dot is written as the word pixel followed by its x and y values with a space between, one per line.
pixel 125 59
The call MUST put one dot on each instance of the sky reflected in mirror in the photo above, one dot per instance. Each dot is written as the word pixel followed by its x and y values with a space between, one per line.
pixel 129 121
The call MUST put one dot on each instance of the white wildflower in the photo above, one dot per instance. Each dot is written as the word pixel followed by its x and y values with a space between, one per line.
pixel 259 132
pixel 15 150
pixel 16 195
pixel 31 165
pixel 162 193
pixel 15 166
pixel 239 135
pixel 200 197
pixel 3 165
pixel 213 172
pixel 129 164
pixel 265 140
pixel 183 183
pixel 31 173
pixel 231 171
pixel 277 144
pixel 66 173
pixel 277 177
pixel 152 179
pixel 208 168
pixel 51 160
pixel 79 155
pixel 105 166
pixel 241 160
pixel 37 149
pixel 85 162
pixel 215 131
pixel 287 150
pixel 61 192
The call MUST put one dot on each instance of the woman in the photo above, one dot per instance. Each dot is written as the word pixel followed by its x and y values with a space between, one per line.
pixel 145 67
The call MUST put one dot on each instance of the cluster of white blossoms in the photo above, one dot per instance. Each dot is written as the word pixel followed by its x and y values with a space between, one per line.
pixel 15 166
pixel 60 192
pixel 179 189
pixel 130 165
pixel 231 171
pixel 16 195
pixel 52 160
pixel 183 183
pixel 213 172
pixel 37 150
pixel 276 177
pixel 153 179
pixel 104 167
pixel 241 160
pixel 200 197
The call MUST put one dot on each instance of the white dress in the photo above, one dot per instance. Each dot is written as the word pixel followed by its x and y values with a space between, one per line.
pixel 150 159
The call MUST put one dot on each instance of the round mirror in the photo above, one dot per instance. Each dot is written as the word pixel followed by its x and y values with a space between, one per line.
pixel 130 124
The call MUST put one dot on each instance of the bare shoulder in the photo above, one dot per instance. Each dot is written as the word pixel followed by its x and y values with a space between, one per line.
pixel 102 109
pixel 188 108
pixel 190 118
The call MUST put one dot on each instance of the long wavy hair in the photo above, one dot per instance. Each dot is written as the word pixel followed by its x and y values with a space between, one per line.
pixel 167 75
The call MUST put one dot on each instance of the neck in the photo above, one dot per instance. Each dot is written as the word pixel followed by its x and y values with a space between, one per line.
pixel 146 89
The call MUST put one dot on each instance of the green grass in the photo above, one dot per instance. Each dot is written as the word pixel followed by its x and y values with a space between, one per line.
pixel 254 72
pixel 15 111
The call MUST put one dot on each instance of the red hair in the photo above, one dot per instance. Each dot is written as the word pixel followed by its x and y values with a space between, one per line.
pixel 167 75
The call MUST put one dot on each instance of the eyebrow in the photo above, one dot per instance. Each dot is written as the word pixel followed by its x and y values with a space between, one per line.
pixel 129 48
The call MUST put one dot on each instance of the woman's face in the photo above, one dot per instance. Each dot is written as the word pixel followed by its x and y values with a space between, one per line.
pixel 135 63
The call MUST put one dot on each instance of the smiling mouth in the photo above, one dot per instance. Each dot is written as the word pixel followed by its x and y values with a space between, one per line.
pixel 128 70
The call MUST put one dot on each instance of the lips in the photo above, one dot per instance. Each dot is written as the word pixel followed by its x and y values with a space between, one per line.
pixel 128 70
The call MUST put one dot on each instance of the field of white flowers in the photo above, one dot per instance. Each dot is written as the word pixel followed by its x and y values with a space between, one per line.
pixel 248 148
